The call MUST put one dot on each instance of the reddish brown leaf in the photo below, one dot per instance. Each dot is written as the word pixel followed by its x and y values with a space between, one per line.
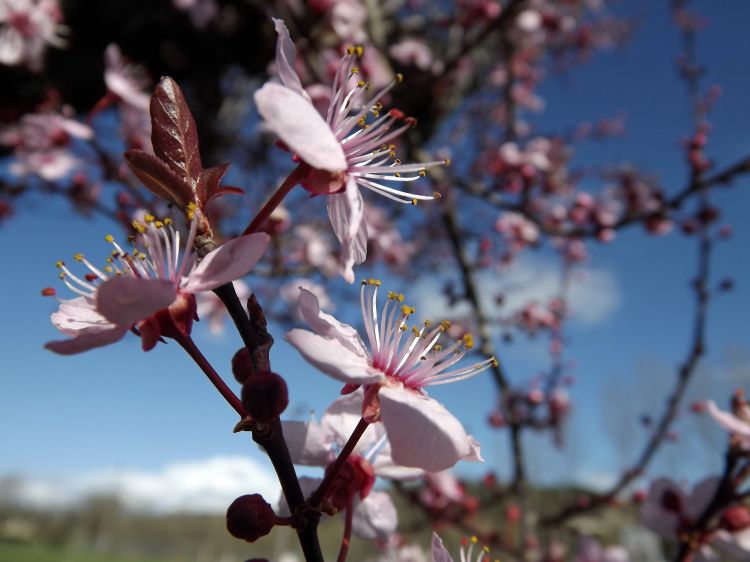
pixel 209 184
pixel 173 132
pixel 158 177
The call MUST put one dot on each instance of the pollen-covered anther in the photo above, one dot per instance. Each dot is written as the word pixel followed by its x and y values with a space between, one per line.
pixel 468 340
pixel 59 264
pixel 445 324
pixel 375 282
pixel 109 238
pixel 406 310
pixel 494 362
pixel 138 227
pixel 149 218
pixel 78 257
pixel 413 201
pixel 447 161
pixel 399 77
pixel 437 194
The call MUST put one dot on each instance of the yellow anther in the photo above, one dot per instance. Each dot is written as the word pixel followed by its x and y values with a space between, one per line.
pixel 422 173
pixel 401 297
pixel 59 264
pixel 494 362
pixel 158 224
pixel 359 50
pixel 415 331
pixel 414 201
pixel 437 194
pixel 350 50
pixel 392 295
pixel 78 257
pixel 468 340
pixel 109 238
pixel 138 227
pixel 375 282
pixel 397 161
pixel 447 161
pixel 141 256
pixel 149 218
pixel 383 147
pixel 474 539
pixel 399 77
pixel 437 347
pixel 108 260
pixel 355 70
pixel 361 84
pixel 445 324
pixel 427 323
pixel 403 327
pixel 108 268
pixel 167 221
pixel 406 310
pixel 191 206
pixel 61 275
pixel 115 253
pixel 378 106
pixel 486 548
pixel 364 282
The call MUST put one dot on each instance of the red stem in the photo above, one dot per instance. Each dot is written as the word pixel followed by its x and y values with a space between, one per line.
pixel 320 493
pixel 344 550
pixel 189 345
pixel 292 179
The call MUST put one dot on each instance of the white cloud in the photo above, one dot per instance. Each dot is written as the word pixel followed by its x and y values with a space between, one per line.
pixel 594 293
pixel 205 486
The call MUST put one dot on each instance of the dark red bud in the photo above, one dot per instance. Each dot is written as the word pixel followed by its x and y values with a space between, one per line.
pixel 265 396
pixel 242 365
pixel 735 518
pixel 250 517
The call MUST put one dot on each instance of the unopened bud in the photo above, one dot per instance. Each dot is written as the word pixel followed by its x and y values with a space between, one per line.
pixel 735 519
pixel 242 365
pixel 265 396
pixel 250 517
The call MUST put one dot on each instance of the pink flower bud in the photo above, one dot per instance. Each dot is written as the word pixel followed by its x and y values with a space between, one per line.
pixel 735 519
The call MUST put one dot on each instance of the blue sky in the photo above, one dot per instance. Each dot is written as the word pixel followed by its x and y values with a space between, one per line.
pixel 118 407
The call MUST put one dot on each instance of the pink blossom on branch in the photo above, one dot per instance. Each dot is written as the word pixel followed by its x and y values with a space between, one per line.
pixel 345 150
pixel 150 291
pixel 317 444
pixel 398 365
pixel 27 27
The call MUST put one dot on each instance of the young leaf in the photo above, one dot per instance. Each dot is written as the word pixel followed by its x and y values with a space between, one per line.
pixel 209 184
pixel 173 132
pixel 158 177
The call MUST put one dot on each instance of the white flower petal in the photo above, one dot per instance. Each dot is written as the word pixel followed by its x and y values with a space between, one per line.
pixel 346 211
pixel 86 339
pixel 309 443
pixel 300 126
pixel 375 517
pixel 229 262
pixel 286 54
pixel 439 552
pixel 126 300
pixel 326 325
pixel 333 358
pixel 421 431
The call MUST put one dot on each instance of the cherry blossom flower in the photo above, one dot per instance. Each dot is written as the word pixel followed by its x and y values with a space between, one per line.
pixel 26 28
pixel 671 513
pixel 344 150
pixel 42 143
pixel 466 554
pixel 318 444
pixel 737 426
pixel 590 550
pixel 398 365
pixel 150 290
pixel 201 12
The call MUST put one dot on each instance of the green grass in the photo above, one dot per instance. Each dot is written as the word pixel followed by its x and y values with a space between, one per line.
pixel 22 552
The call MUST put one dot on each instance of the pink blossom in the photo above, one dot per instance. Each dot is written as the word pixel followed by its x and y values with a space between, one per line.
pixel 398 365
pixel 738 427
pixel 591 550
pixel 412 52
pixel 442 489
pixel 344 151
pixel 42 143
pixel 348 18
pixel 27 27
pixel 201 12
pixel 671 513
pixel 134 287
pixel 466 553
pixel 289 293
pixel 318 444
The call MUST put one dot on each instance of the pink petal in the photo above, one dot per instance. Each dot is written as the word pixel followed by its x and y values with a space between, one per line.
pixel 346 211
pixel 87 339
pixel 229 262
pixel 701 495
pixel 654 515
pixel 421 431
pixel 78 314
pixel 308 442
pixel 333 358
pixel 375 517
pixel 127 300
pixel 286 55
pixel 728 421
pixel 326 325
pixel 342 416
pixel 300 126
pixel 439 552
